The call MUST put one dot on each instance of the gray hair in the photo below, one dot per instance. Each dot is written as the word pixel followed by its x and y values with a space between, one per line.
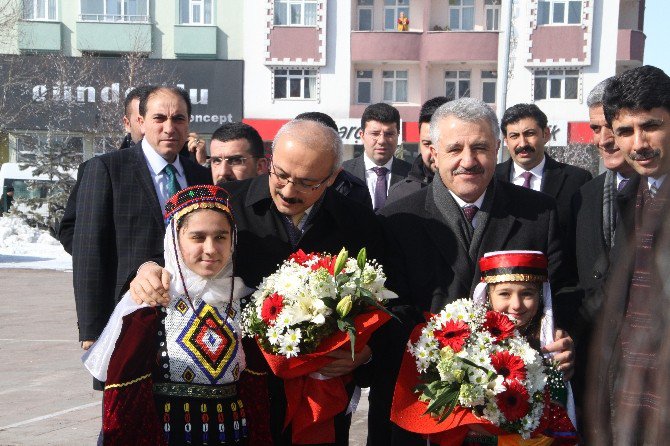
pixel 314 135
pixel 596 96
pixel 466 109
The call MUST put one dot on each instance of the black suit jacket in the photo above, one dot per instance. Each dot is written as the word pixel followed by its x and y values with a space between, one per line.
pixel 399 169
pixel 352 187
pixel 263 244
pixel 119 226
pixel 559 180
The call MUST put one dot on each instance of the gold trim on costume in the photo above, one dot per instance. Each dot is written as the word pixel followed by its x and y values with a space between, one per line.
pixel 514 278
pixel 196 390
pixel 252 372
pixel 136 380
pixel 204 205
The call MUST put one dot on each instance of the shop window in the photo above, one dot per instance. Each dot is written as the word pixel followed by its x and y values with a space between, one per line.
pixel 556 84
pixel 457 84
pixel 364 87
pixel 195 12
pixel 392 10
pixel 492 9
pixel 461 15
pixel 295 12
pixel 365 17
pixel 295 84
pixel 69 149
pixel 489 86
pixel 39 9
pixel 395 86
pixel 114 10
pixel 559 12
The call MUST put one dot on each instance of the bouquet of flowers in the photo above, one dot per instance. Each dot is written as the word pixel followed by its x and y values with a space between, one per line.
pixel 312 305
pixel 470 366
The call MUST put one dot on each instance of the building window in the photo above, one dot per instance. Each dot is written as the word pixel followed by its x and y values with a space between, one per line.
pixel 195 12
pixel 492 8
pixel 489 86
pixel 114 10
pixel 39 9
pixel 457 84
pixel 295 84
pixel 556 84
pixel 365 17
pixel 559 12
pixel 392 10
pixel 28 148
pixel 295 12
pixel 364 87
pixel 395 86
pixel 462 15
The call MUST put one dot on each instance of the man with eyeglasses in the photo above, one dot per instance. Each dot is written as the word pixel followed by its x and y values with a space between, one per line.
pixel 236 153
pixel 294 208
pixel 380 127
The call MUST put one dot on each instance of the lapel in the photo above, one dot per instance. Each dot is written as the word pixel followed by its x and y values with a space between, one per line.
pixel 504 171
pixel 189 173
pixel 396 171
pixel 359 168
pixel 626 206
pixel 552 177
pixel 438 229
pixel 143 177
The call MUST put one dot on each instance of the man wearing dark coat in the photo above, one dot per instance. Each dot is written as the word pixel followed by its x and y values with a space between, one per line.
pixel 524 127
pixel 377 167
pixel 423 167
pixel 119 207
pixel 438 234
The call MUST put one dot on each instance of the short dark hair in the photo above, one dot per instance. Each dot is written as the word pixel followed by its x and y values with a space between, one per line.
pixel 135 93
pixel 239 130
pixel 144 99
pixel 641 88
pixel 520 111
pixel 428 109
pixel 381 112
pixel 319 117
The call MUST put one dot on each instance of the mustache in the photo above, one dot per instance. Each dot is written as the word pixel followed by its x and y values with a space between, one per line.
pixel 295 200
pixel 528 149
pixel 643 155
pixel 472 170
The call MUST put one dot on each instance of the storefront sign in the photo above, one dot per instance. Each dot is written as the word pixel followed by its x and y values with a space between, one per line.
pixel 350 131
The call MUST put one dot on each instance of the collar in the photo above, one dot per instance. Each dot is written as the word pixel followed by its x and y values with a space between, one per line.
pixel 156 162
pixel 369 164
pixel 658 181
pixel 536 171
pixel 259 190
pixel 478 202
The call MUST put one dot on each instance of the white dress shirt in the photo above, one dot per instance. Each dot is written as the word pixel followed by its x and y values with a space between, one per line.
pixel 371 176
pixel 156 164
pixel 657 181
pixel 535 180
pixel 478 202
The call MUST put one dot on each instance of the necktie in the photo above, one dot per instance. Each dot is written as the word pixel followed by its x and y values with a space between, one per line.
pixel 470 210
pixel 653 189
pixel 380 188
pixel 622 184
pixel 172 184
pixel 526 179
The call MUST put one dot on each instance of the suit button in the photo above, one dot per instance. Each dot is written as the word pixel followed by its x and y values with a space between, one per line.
pixel 597 274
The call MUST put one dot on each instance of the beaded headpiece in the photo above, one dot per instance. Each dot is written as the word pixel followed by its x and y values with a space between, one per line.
pixel 196 197
pixel 513 266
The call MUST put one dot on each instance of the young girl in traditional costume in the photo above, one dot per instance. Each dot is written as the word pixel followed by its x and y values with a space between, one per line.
pixel 172 374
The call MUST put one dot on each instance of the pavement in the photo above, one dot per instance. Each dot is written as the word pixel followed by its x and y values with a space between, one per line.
pixel 46 396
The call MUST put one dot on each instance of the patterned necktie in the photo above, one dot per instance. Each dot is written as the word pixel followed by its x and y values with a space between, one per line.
pixel 622 184
pixel 380 188
pixel 526 179
pixel 470 210
pixel 173 185
pixel 653 190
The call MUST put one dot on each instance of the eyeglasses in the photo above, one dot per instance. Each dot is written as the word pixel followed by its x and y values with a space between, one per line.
pixel 282 180
pixel 384 135
pixel 233 161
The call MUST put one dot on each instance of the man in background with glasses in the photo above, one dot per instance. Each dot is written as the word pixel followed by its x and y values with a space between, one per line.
pixel 236 153
pixel 377 166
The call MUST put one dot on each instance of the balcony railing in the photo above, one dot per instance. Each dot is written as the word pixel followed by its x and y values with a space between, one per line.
pixel 118 18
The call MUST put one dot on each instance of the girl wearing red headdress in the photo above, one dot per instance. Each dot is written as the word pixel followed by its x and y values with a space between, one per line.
pixel 172 375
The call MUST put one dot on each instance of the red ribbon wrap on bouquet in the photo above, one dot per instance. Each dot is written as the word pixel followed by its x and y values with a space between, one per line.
pixel 410 414
pixel 313 403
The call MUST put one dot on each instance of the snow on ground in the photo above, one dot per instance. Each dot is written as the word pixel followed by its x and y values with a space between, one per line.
pixel 22 246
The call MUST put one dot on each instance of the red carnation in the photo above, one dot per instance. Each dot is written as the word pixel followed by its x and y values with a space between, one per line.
pixel 326 262
pixel 454 335
pixel 300 257
pixel 272 306
pixel 499 325
pixel 510 366
pixel 513 402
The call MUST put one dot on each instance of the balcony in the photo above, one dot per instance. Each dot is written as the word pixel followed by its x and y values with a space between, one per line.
pixel 630 45
pixel 195 41
pixel 447 46
pixel 34 36
pixel 114 36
